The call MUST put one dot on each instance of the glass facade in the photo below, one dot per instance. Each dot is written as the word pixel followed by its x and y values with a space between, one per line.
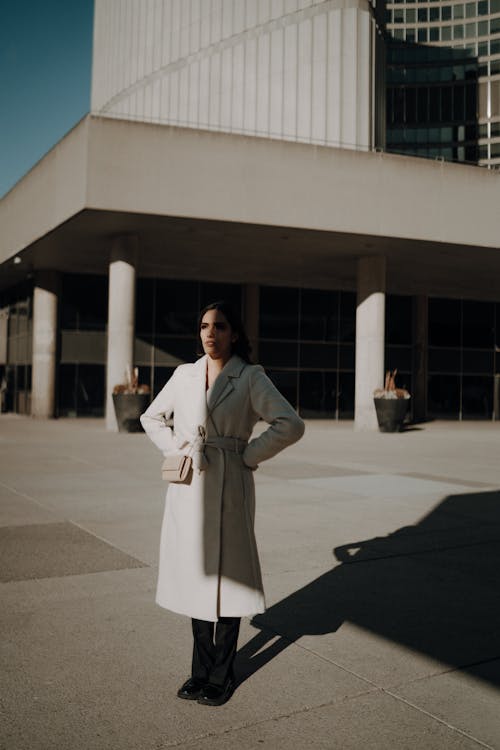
pixel 15 370
pixel 443 79
pixel 306 344
pixel 464 367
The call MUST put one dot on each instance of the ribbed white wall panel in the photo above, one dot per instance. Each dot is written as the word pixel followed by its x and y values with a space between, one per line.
pixel 291 69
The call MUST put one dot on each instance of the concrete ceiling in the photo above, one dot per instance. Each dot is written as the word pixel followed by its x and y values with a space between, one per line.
pixel 172 247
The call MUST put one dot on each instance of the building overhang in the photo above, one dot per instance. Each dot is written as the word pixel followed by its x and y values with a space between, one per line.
pixel 236 208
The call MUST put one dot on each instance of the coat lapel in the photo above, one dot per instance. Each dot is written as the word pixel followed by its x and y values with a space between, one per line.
pixel 224 385
pixel 199 375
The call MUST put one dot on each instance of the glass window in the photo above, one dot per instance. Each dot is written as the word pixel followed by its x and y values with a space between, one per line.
pixel 477 361
pixel 346 395
pixel 411 15
pixel 347 356
pixel 434 35
pixel 446 33
pixel 398 319
pixel 477 397
pixel 347 317
pixel 422 35
pixel 470 30
pixel 211 292
pixel 84 302
pixel 319 315
pixel 399 15
pixel 495 47
pixel 161 376
pixel 444 396
pixel 434 14
pixel 444 322
pixel 423 16
pixel 482 7
pixel 495 25
pixel 446 13
pixel 444 360
pixel 446 103
pixel 171 351
pixel 482 30
pixel 318 394
pixel 279 354
pixel 398 357
pixel 478 324
pixel 494 6
pixel 286 383
pixel 314 356
pixel 177 306
pixel 410 35
pixel 458 11
pixel 90 390
pixel 279 313
pixel 145 306
pixel 471 10
pixel 458 31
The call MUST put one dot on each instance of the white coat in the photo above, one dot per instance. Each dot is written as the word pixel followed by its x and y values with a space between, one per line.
pixel 209 565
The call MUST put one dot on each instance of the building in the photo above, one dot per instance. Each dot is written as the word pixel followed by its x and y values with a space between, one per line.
pixel 443 79
pixel 232 149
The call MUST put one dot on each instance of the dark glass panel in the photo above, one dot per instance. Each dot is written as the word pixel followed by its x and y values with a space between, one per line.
pixel 84 302
pixel 286 383
pixel 347 357
pixel 319 315
pixel 444 396
pixel 478 324
pixel 477 361
pixel 497 362
pixel 477 397
pixel 172 351
pixel 497 325
pixel 144 306
pixel 212 292
pixel 67 390
pixel 347 317
pixel 90 390
pixel 161 376
pixel 318 356
pixel 177 307
pixel 279 308
pixel 278 354
pixel 346 395
pixel 318 394
pixel 444 322
pixel 398 319
pixel 398 357
pixel 444 360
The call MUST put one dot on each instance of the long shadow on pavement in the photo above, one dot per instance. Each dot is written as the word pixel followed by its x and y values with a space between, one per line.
pixel 432 587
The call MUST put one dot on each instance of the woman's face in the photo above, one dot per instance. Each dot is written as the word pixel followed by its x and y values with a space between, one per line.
pixel 217 336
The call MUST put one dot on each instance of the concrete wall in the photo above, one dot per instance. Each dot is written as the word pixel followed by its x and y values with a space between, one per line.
pixel 291 69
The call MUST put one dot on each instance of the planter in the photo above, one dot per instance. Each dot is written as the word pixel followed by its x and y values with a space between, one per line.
pixel 391 413
pixel 128 409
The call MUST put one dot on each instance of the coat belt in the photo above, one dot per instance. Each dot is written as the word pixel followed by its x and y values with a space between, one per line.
pixel 202 441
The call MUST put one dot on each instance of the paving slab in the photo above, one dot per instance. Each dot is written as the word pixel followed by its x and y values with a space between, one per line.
pixel 380 556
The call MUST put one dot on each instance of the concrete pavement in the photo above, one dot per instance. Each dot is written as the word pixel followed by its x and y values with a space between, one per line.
pixel 381 562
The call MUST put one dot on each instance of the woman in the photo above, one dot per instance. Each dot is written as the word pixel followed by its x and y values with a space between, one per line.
pixel 209 566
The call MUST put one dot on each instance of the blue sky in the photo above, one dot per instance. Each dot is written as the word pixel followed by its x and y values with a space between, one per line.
pixel 45 68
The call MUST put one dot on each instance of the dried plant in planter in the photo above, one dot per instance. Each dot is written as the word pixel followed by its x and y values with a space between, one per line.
pixel 389 390
pixel 131 384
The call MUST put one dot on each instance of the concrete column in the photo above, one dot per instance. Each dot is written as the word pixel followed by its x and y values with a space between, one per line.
pixel 45 304
pixel 121 318
pixel 251 317
pixel 420 357
pixel 370 339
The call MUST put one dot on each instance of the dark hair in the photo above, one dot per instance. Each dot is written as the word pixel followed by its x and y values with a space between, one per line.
pixel 241 346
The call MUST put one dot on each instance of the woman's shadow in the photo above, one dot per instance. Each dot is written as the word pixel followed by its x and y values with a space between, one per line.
pixel 432 587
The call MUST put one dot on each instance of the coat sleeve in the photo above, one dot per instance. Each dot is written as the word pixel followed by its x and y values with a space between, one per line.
pixel 154 418
pixel 286 427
